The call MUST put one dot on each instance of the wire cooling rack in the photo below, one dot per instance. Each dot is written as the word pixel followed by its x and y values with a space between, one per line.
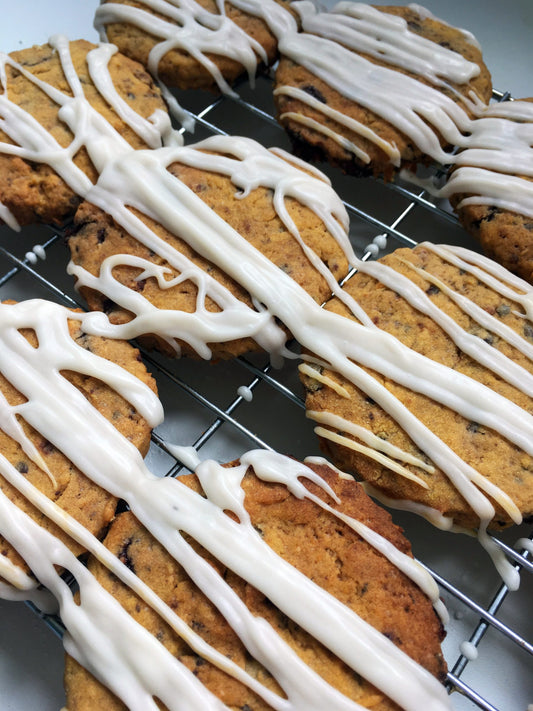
pixel 227 408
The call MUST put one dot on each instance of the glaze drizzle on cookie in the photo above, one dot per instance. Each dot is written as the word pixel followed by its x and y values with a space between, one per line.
pixel 326 47
pixel 186 26
pixel 498 140
pixel 167 508
pixel 141 179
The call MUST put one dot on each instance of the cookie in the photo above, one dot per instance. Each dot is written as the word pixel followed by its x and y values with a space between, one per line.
pixel 83 364
pixel 43 128
pixel 491 185
pixel 312 540
pixel 191 45
pixel 242 192
pixel 376 90
pixel 460 459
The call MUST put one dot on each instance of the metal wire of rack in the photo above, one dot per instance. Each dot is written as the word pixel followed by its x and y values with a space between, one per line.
pixel 487 647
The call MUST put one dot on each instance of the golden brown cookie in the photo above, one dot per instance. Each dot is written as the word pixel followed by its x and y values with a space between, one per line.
pixel 489 452
pixel 505 235
pixel 313 144
pixel 178 67
pixel 313 541
pixel 96 237
pixel 31 189
pixel 71 489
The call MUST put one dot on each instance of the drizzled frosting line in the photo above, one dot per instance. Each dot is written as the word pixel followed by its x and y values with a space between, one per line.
pixel 497 140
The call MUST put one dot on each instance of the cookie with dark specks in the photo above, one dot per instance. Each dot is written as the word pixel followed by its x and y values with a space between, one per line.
pixel 489 452
pixel 177 67
pixel 317 544
pixel 96 237
pixel 31 190
pixel 505 236
pixel 73 491
pixel 312 144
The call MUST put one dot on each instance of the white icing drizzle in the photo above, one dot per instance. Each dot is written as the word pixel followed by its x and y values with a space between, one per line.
pixel 498 140
pixel 246 393
pixel 340 118
pixel 99 626
pixel 320 461
pixel 469 650
pixel 185 454
pixel 8 218
pixel 525 543
pixel 35 370
pixel 166 507
pixel 187 26
pixel 325 130
pixel 34 143
pixel 424 14
pixel 488 272
pixel 250 166
pixel 370 453
pixel 271 466
pixel 379 242
pixel 369 437
pixel 325 48
pixel 306 369
pixel 155 129
pixel 483 318
pixel 472 345
pixel 15 576
pixel 445 523
pixel 236 320
pixel 388 38
pixel 12 427
pixel 36 253
pixel 497 152
pixel 510 193
pixel 403 100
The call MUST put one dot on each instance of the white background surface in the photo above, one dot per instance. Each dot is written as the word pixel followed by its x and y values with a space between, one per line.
pixel 30 656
